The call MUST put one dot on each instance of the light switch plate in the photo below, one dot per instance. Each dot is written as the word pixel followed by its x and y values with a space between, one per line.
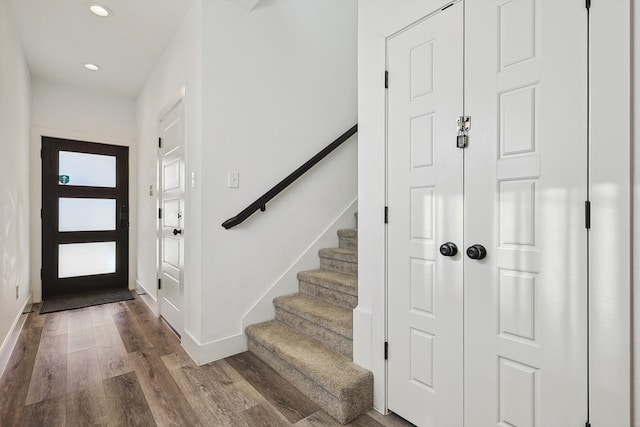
pixel 233 180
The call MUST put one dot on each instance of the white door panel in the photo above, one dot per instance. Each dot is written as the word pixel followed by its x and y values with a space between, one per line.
pixel 172 187
pixel 525 187
pixel 425 204
pixel 515 322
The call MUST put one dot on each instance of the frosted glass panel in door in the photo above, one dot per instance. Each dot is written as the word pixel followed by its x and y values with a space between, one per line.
pixel 86 214
pixel 86 259
pixel 92 170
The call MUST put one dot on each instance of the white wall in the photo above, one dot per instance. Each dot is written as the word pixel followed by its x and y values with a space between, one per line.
pixel 72 113
pixel 265 89
pixel 15 107
pixel 177 73
pixel 279 85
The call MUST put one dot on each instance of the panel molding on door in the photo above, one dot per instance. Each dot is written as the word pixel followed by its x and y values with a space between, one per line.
pixel 85 198
pixel 425 184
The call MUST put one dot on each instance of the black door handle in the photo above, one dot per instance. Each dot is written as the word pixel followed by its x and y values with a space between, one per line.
pixel 476 252
pixel 124 216
pixel 448 249
pixel 176 231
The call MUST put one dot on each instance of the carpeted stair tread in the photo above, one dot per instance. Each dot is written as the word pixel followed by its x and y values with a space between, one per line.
pixel 348 238
pixel 343 260
pixel 348 232
pixel 354 401
pixel 338 320
pixel 328 369
pixel 346 283
pixel 310 342
pixel 340 254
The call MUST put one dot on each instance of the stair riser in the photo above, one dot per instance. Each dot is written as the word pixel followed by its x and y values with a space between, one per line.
pixel 330 338
pixel 334 297
pixel 361 395
pixel 348 242
pixel 339 266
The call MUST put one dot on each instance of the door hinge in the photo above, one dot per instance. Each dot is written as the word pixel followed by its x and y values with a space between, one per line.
pixel 159 213
pixel 159 284
pixel 41 153
pixel 587 4
pixel 40 213
pixel 386 350
pixel 386 214
pixel 587 214
pixel 463 125
pixel 159 142
pixel 40 273
pixel 386 79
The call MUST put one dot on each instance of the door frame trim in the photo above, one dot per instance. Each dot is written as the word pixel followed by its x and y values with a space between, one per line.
pixel 384 18
pixel 35 198
pixel 609 269
pixel 51 146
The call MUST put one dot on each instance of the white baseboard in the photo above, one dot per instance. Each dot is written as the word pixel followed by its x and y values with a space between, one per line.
pixel 367 353
pixel 213 350
pixel 147 297
pixel 12 337
pixel 362 338
pixel 264 310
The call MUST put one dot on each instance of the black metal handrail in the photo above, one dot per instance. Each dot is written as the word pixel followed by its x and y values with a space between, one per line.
pixel 262 201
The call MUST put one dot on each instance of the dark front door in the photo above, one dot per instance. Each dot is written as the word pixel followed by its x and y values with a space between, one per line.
pixel 85 217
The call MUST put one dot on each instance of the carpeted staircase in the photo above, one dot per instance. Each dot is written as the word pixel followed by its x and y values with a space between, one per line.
pixel 310 342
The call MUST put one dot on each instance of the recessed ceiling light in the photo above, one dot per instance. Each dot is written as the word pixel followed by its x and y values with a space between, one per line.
pixel 100 10
pixel 91 67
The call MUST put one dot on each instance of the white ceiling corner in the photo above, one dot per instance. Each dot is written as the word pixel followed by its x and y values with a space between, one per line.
pixel 59 36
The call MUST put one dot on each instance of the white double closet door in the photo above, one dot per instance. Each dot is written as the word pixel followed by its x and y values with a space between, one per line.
pixel 498 341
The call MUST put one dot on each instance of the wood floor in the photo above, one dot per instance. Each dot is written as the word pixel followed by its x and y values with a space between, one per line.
pixel 118 365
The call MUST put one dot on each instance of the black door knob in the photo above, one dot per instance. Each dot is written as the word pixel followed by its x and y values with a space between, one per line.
pixel 176 231
pixel 448 249
pixel 476 252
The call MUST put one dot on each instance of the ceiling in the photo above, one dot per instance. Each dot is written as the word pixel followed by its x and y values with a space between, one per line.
pixel 59 36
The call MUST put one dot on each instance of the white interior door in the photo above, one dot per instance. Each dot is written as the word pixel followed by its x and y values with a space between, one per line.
pixel 525 191
pixel 172 187
pixel 516 326
pixel 425 210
